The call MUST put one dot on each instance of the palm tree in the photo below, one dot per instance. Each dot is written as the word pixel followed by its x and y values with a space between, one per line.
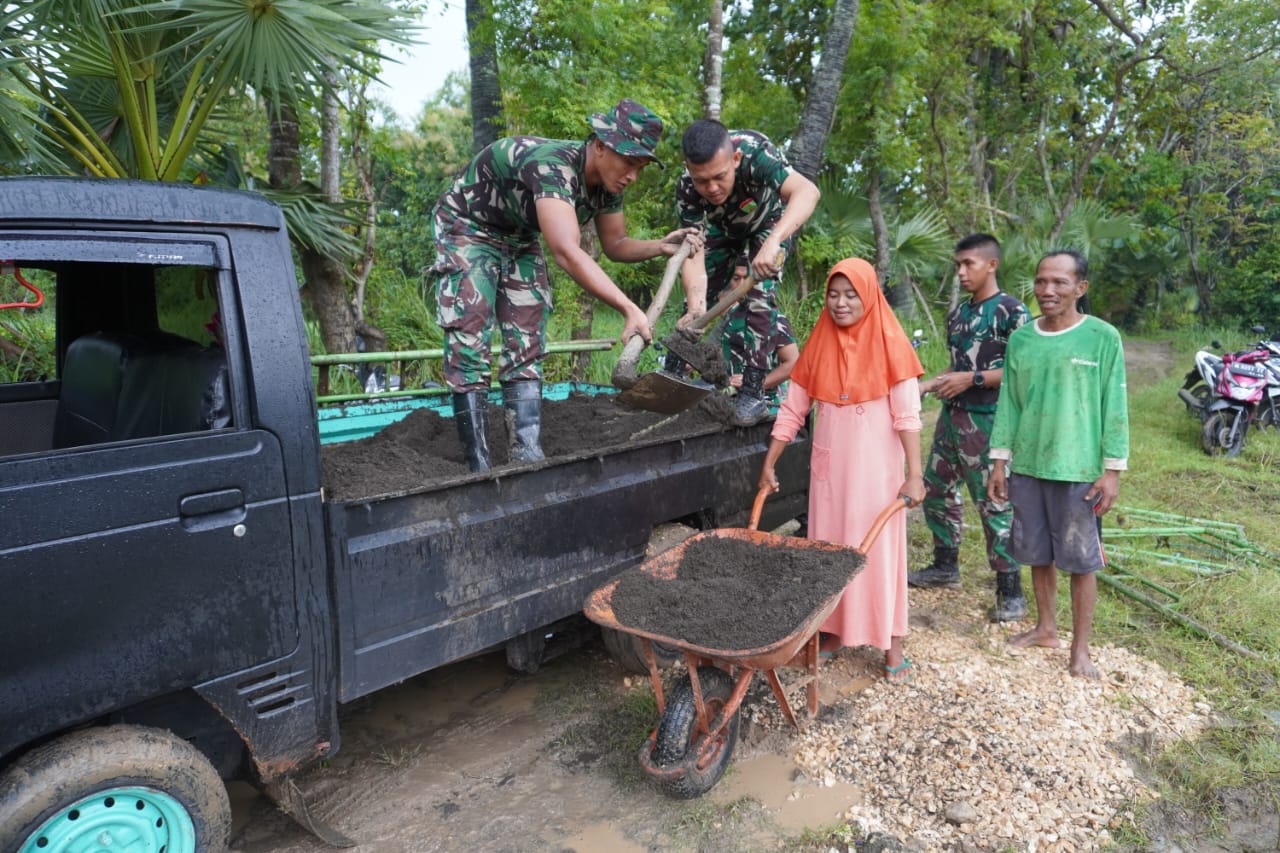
pixel 130 89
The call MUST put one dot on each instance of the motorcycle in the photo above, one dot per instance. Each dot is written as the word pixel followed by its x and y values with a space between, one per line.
pixel 1198 386
pixel 1232 392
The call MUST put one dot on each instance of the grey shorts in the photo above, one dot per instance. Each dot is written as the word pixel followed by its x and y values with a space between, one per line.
pixel 1054 524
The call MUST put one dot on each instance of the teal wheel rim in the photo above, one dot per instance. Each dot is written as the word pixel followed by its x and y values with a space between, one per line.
pixel 127 820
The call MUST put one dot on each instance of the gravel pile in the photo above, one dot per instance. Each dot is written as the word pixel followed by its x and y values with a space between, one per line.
pixel 995 748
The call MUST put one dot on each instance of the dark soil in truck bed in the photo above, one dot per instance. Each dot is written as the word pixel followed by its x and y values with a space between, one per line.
pixel 424 447
pixel 732 594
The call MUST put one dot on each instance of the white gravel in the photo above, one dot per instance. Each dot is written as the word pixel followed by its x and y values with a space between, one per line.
pixel 996 748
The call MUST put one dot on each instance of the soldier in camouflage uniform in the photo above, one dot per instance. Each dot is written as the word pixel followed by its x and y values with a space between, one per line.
pixel 977 331
pixel 781 345
pixel 490 266
pixel 740 189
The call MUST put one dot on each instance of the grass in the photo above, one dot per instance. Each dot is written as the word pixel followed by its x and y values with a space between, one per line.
pixel 1237 760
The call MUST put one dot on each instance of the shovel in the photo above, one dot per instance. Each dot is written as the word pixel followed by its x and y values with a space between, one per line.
pixel 624 372
pixel 667 393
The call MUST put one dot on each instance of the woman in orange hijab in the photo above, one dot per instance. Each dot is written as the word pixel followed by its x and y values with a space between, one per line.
pixel 861 373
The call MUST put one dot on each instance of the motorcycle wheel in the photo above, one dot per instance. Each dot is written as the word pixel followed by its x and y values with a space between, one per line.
pixel 1217 438
pixel 1268 418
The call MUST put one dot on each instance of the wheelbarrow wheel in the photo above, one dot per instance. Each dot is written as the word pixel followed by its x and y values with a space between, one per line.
pixel 678 744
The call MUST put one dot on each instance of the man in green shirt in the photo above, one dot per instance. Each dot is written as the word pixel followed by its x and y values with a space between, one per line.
pixel 1060 441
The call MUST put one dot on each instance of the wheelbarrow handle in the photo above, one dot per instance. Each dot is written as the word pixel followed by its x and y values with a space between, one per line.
pixel 899 503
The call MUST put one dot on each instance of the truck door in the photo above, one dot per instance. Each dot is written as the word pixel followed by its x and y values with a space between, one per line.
pixel 145 544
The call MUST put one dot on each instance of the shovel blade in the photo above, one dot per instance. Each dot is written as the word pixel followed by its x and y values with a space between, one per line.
pixel 664 393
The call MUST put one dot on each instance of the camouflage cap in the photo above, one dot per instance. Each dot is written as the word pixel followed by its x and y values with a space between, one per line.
pixel 631 129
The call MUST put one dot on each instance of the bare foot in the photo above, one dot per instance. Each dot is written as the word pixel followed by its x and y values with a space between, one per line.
pixel 1080 665
pixel 1036 637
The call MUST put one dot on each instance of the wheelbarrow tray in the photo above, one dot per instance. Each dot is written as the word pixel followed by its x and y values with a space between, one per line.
pixel 599 605
pixel 707 744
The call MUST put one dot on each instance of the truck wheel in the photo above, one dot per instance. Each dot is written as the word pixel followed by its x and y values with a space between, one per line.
pixel 113 789
pixel 676 744
pixel 626 651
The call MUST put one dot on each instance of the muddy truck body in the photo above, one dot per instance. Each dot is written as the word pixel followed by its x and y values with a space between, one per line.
pixel 179 602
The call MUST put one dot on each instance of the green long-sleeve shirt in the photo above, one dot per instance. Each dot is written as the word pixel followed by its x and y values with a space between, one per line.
pixel 1063 413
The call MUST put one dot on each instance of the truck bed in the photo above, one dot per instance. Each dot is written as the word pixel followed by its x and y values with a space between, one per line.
pixel 425 577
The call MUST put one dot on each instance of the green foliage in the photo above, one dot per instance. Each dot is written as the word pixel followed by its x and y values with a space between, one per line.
pixel 132 88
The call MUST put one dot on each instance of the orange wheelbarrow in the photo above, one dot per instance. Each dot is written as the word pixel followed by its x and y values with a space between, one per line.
pixel 688 751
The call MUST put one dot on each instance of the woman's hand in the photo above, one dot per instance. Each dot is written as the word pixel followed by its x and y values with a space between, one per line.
pixel 913 490
pixel 769 480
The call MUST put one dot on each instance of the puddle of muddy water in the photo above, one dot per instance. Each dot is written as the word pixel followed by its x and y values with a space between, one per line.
pixel 794 805
pixel 599 837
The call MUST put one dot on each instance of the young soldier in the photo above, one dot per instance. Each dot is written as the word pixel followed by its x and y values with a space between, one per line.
pixel 1060 441
pixel 781 347
pixel 740 188
pixel 978 330
pixel 491 267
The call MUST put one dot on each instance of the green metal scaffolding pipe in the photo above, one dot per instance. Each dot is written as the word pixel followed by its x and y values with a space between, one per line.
pixel 594 344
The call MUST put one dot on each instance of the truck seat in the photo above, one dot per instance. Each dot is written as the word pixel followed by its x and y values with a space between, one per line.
pixel 118 386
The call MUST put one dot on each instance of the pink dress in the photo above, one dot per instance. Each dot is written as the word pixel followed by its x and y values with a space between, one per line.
pixel 856 469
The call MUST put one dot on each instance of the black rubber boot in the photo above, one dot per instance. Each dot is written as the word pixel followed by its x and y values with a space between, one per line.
pixel 750 406
pixel 1011 604
pixel 522 401
pixel 471 411
pixel 944 571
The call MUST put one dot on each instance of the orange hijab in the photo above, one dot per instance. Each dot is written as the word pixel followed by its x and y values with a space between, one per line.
pixel 859 362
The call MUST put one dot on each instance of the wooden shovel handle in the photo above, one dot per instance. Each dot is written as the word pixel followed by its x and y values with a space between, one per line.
pixel 636 343
pixel 732 297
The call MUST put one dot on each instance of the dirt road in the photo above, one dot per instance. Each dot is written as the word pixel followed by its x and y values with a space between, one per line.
pixel 474 757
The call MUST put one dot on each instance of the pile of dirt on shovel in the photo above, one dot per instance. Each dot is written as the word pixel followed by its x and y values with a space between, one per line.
pixel 424 446
pixel 733 594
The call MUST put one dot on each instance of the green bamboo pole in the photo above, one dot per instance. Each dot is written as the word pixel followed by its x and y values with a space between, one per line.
pixel 1185 621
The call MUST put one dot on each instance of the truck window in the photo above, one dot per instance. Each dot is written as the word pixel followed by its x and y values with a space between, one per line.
pixel 119 350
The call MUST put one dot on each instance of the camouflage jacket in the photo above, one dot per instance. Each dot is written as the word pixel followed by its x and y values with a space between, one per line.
pixel 977 334
pixel 498 188
pixel 755 203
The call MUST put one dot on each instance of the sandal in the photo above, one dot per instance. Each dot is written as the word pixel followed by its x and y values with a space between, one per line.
pixel 894 670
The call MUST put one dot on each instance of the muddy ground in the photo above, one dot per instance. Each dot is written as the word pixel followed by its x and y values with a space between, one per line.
pixel 475 757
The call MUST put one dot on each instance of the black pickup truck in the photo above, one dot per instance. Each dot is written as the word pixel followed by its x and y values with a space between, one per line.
pixel 179 602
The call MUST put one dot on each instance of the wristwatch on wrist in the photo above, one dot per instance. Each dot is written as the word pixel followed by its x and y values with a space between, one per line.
pixel 978 380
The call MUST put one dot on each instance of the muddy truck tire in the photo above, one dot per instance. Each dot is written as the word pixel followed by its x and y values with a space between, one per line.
pixel 125 787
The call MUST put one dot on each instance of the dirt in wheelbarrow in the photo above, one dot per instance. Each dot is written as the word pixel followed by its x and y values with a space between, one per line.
pixel 733 594
pixel 424 447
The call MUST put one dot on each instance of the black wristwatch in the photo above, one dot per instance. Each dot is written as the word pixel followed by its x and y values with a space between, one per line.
pixel 978 380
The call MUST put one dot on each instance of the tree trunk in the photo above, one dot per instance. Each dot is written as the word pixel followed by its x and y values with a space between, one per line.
pixel 820 106
pixel 324 279
pixel 899 295
pixel 713 63
pixel 486 89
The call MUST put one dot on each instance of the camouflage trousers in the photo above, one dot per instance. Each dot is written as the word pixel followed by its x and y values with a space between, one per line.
pixel 483 279
pixel 755 328
pixel 959 455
